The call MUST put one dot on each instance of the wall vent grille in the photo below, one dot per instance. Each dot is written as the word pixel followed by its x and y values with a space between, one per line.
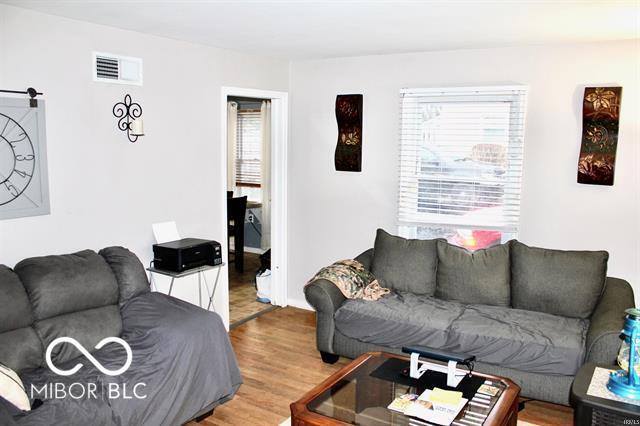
pixel 109 68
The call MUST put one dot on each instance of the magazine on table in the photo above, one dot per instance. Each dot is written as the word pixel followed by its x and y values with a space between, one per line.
pixel 436 406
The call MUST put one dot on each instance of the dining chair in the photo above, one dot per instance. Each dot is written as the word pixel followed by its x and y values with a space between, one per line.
pixel 236 211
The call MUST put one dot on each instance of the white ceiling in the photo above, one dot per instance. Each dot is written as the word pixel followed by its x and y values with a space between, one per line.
pixel 319 29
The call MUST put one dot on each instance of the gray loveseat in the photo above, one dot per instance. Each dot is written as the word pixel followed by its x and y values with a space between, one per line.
pixel 182 361
pixel 533 315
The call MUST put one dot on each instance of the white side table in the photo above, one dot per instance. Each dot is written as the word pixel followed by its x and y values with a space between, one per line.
pixel 201 277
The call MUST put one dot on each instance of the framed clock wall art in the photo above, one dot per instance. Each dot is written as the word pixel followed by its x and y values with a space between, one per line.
pixel 24 186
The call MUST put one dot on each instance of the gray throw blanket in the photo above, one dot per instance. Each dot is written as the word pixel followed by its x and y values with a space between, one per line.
pixel 181 352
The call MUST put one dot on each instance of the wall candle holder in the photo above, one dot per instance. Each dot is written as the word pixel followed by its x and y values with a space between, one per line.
pixel 129 114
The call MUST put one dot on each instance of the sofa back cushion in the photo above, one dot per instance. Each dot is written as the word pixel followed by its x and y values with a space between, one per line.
pixel 479 277
pixel 129 272
pixel 67 283
pixel 405 265
pixel 74 295
pixel 15 311
pixel 20 347
pixel 567 283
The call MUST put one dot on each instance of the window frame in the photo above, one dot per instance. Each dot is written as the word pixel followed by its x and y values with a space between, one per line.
pixel 240 177
pixel 410 144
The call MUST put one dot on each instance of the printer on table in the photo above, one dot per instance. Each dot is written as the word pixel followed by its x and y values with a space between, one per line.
pixel 187 253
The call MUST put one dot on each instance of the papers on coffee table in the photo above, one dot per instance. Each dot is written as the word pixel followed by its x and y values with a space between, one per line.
pixel 429 406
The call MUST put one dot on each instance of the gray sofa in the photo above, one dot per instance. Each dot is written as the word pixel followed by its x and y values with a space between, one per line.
pixel 533 315
pixel 182 361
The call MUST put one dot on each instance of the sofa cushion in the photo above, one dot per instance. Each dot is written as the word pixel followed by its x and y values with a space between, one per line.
pixel 129 272
pixel 73 295
pixel 480 277
pixel 399 319
pixel 512 338
pixel 16 310
pixel 523 340
pixel 67 283
pixel 405 265
pixel 567 283
pixel 20 347
pixel 88 327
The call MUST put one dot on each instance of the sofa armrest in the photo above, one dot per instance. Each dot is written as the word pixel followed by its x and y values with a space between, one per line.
pixel 366 258
pixel 603 339
pixel 325 298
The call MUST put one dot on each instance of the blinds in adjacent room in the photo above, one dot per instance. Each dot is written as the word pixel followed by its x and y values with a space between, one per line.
pixel 249 149
pixel 461 157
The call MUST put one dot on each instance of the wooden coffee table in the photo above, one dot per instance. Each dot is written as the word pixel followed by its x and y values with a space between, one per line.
pixel 352 396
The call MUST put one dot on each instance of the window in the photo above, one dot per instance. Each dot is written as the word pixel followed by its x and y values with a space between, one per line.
pixel 461 157
pixel 248 149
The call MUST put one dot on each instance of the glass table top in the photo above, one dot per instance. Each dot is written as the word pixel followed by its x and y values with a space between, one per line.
pixel 360 398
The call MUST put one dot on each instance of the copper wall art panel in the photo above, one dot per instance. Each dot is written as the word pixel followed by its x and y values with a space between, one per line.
pixel 600 123
pixel 348 156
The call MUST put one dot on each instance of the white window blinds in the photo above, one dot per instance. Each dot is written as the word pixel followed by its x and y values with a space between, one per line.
pixel 461 157
pixel 248 148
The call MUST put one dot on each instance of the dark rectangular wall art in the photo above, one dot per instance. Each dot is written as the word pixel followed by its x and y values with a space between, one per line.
pixel 348 156
pixel 600 123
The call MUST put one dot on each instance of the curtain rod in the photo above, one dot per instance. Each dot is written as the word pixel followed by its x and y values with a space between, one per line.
pixel 30 91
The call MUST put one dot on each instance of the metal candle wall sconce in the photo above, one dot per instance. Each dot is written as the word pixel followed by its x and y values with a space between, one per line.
pixel 129 114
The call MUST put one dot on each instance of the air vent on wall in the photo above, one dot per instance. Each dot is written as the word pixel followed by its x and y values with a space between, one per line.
pixel 109 68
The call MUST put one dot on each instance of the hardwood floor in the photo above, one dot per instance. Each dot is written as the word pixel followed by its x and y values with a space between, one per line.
pixel 544 413
pixel 251 265
pixel 279 363
pixel 242 292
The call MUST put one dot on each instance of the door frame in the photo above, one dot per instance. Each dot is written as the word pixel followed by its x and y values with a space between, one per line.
pixel 279 230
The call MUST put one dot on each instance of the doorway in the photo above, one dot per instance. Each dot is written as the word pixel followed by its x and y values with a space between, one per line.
pixel 254 128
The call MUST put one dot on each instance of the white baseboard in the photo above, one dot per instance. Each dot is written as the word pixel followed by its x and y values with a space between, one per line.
pixel 302 304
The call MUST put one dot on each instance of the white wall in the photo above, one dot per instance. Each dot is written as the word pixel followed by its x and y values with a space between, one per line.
pixel 334 215
pixel 105 190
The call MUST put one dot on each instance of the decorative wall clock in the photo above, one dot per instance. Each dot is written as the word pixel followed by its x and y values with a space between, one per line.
pixel 24 188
